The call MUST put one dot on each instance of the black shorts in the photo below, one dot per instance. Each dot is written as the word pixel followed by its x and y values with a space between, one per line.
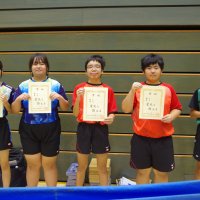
pixel 92 138
pixel 40 138
pixel 157 153
pixel 196 151
pixel 5 135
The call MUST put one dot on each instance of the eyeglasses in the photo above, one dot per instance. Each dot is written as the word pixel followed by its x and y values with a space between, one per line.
pixel 94 67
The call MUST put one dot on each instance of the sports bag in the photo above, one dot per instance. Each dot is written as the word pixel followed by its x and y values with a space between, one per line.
pixel 18 168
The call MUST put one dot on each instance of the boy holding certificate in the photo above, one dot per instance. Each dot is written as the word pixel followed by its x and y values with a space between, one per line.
pixel 6 98
pixel 154 105
pixel 94 106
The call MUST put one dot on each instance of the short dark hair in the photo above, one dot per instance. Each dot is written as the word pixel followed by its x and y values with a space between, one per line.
pixel 97 58
pixel 38 57
pixel 1 67
pixel 152 59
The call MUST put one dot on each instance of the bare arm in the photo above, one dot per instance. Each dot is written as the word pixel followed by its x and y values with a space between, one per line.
pixel 127 103
pixel 16 105
pixel 171 116
pixel 62 102
pixel 79 93
pixel 194 113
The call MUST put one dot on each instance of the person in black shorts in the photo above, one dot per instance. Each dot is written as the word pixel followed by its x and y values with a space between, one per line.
pixel 6 98
pixel 151 144
pixel 40 132
pixel 92 135
pixel 195 113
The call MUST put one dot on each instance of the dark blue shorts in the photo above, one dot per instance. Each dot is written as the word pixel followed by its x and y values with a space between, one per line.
pixel 92 138
pixel 157 153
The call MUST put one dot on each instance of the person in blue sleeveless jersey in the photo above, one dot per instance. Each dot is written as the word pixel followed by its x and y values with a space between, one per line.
pixel 6 98
pixel 40 132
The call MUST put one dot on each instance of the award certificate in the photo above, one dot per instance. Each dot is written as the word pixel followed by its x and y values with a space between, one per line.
pixel 152 102
pixel 4 91
pixel 95 104
pixel 40 101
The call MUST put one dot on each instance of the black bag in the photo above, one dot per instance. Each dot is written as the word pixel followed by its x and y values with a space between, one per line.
pixel 18 168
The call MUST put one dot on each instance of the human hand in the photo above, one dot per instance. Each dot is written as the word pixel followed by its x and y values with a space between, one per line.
pixel 167 118
pixel 23 96
pixel 80 92
pixel 136 86
pixel 54 95
pixel 4 98
pixel 109 120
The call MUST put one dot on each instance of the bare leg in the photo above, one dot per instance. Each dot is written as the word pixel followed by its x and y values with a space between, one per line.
pixel 5 167
pixel 102 170
pixel 50 170
pixel 160 177
pixel 82 166
pixel 143 176
pixel 197 171
pixel 33 169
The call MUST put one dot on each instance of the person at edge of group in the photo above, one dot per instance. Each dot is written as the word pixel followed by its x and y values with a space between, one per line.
pixel 151 143
pixel 40 133
pixel 92 136
pixel 195 113
pixel 6 97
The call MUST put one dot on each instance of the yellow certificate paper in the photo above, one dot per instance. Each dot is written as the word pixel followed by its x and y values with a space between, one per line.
pixel 152 102
pixel 40 101
pixel 95 107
